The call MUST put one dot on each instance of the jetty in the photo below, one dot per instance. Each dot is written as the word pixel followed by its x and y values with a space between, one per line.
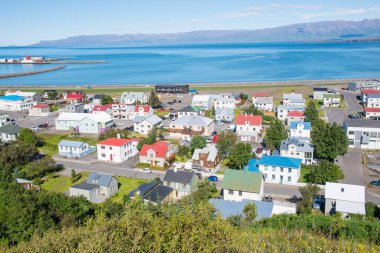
pixel 31 72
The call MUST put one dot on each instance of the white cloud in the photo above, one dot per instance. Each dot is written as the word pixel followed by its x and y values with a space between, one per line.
pixel 248 12
pixel 296 6
pixel 338 12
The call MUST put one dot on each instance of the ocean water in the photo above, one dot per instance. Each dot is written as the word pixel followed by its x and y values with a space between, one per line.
pixel 212 63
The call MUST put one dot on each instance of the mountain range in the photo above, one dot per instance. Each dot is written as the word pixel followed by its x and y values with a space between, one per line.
pixel 303 32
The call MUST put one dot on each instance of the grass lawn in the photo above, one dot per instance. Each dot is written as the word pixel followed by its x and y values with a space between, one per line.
pixel 321 113
pixel 304 171
pixel 126 185
pixel 52 140
pixel 62 183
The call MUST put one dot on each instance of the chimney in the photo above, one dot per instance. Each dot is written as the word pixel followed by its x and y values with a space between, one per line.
pixel 118 136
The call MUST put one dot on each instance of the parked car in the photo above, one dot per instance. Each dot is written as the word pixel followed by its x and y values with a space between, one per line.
pixel 375 183
pixel 268 198
pixel 219 123
pixel 170 103
pixel 146 170
pixel 34 128
pixel 199 175
pixel 179 101
pixel 213 179
pixel 317 203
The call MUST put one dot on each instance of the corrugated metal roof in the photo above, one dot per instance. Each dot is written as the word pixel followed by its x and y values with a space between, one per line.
pixel 68 143
pixel 281 161
pixel 242 180
pixel 306 125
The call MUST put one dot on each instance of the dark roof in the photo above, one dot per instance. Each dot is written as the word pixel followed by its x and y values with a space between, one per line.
pixel 320 89
pixel 144 188
pixel 362 123
pixel 181 176
pixel 10 129
pixel 85 186
pixel 98 96
pixel 190 108
pixel 152 191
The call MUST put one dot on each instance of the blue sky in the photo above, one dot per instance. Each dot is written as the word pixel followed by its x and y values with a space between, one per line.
pixel 25 22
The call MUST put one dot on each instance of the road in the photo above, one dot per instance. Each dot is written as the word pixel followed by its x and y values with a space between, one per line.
pixel 338 115
pixel 351 164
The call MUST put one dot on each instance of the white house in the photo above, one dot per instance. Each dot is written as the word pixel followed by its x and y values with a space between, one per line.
pixel 133 98
pixel 129 112
pixel 294 116
pixel 143 125
pixel 225 102
pixel 298 148
pixel 283 110
pixel 259 95
pixel 363 134
pixel 9 132
pixel 280 169
pixel 292 99
pixel 74 149
pixel 117 150
pixel 364 85
pixel 73 108
pixel 39 110
pixel 373 100
pixel 248 127
pixel 364 94
pixel 204 101
pixel 331 100
pixel 183 182
pixel 318 93
pixel 344 198
pixel 239 185
pixel 84 122
pixel 264 103
pixel 372 113
pixel 300 129
pixel 188 126
pixel 15 103
pixel 190 111
pixel 224 114
pixel 32 96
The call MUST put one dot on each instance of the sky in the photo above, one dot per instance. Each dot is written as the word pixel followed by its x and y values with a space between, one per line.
pixel 24 22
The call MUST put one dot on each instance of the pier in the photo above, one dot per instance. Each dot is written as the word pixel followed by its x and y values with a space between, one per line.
pixel 31 72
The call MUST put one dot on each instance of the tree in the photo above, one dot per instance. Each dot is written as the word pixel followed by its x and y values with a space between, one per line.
pixel 111 209
pixel 40 168
pixel 323 172
pixel 240 155
pixel 311 112
pixel 150 139
pixel 275 134
pixel 18 153
pixel 250 212
pixel 204 192
pixel 213 112
pixel 308 192
pixel 243 96
pixel 112 133
pixel 183 151
pixel 75 176
pixel 52 95
pixel 153 100
pixel 106 99
pixel 372 210
pixel 197 142
pixel 253 110
pixel 226 141
pixel 28 136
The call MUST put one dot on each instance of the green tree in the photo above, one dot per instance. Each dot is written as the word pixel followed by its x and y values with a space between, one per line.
pixel 243 96
pixel 213 112
pixel 197 142
pixel 111 209
pixel 75 176
pixel 28 136
pixel 275 134
pixel 106 99
pixel 253 110
pixel 323 172
pixel 112 133
pixel 311 112
pixel 226 141
pixel 308 192
pixel 40 168
pixel 204 192
pixel 153 100
pixel 150 139
pixel 183 150
pixel 372 210
pixel 250 212
pixel 18 153
pixel 240 155
pixel 52 95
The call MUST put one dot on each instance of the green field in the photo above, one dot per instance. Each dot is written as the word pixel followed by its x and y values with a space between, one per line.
pixel 304 171
pixel 51 142
pixel 62 183
pixel 126 185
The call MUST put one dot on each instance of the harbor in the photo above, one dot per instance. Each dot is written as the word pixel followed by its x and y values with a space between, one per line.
pixel 43 60
pixel 32 72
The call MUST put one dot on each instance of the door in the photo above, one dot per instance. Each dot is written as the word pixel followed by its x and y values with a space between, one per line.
pixel 111 157
pixel 281 179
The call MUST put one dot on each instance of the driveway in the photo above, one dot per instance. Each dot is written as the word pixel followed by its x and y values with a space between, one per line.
pixel 338 115
pixel 351 164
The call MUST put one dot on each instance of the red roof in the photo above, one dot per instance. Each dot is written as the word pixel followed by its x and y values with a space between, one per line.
pixel 254 120
pixel 146 108
pixel 369 109
pixel 370 91
pixel 102 107
pixel 215 138
pixel 118 142
pixel 40 106
pixel 160 147
pixel 296 114
pixel 74 96
pixel 261 94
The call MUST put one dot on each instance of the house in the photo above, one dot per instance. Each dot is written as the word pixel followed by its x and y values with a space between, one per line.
pixel 102 108
pixel 264 103
pixel 224 102
pixel 331 100
pixel 5 119
pixel 259 95
pixel 363 134
pixel 144 125
pixel 344 198
pixel 373 100
pixel 72 108
pixel 224 115
pixel 283 110
pixel 182 182
pixel 153 192
pixel 30 95
pixel 74 149
pixel 98 98
pixel 190 111
pixel 294 116
pixel 364 85
pixel 39 110
pixel 97 188
pixel 15 103
pixel 292 99
pixel 74 98
pixel 248 127
pixel 66 93
pixel 129 112
pixel 158 154
pixel 364 94
pixel 206 159
pixel 203 101
pixel 27 184
pixel 117 150
pixel 242 184
pixel 300 129
pixel 133 98
pixel 9 132
pixel 372 113
pixel 89 107
pixel 173 89
pixel 280 169
pixel 188 126
pixel 84 122
pixel 318 93
pixel 298 148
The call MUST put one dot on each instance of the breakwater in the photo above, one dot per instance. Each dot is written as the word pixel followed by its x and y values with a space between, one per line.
pixel 31 72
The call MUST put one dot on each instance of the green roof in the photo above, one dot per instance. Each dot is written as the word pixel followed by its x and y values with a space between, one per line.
pixel 10 129
pixel 242 180
pixel 331 96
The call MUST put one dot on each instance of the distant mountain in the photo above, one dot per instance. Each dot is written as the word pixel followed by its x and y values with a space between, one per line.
pixel 305 32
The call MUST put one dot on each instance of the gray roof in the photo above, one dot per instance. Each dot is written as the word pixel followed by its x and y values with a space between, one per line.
pixel 210 149
pixel 181 176
pixel 290 107
pixel 297 100
pixel 362 123
pixel 99 179
pixel 98 96
pixel 193 120
pixel 225 111
pixel 75 144
pixel 133 95
pixel 229 208
pixel 138 119
pixel 154 119
pixel 85 186
pixel 302 145
pixel 292 96
pixel 10 129
pixel 264 100
pixel 190 108
pixel 22 181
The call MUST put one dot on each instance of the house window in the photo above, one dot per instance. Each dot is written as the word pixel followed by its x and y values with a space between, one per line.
pixel 103 155
pixel 282 169
pixel 273 177
pixel 183 186
pixel 273 168
pixel 240 193
pixel 265 167
pixel 102 147
pixel 266 176
pixel 289 179
pixel 289 170
pixel 231 192
pixel 110 148
pixel 341 189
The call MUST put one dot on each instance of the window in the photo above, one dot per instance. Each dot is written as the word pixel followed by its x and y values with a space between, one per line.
pixel 351 132
pixel 265 167
pixel 102 147
pixel 289 170
pixel 273 177
pixel 231 192
pixel 282 169
pixel 183 186
pixel 341 189
pixel 273 168
pixel 289 179
pixel 240 193
pixel 110 148
pixel 266 176
pixel 103 155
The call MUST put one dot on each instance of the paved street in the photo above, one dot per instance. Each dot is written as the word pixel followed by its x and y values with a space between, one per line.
pixel 351 164
pixel 338 115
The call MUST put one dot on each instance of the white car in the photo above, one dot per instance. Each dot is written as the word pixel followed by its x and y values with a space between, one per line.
pixel 34 128
pixel 146 170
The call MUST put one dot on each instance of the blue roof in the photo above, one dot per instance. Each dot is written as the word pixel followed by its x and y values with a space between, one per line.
pixel 252 166
pixel 193 90
pixel 306 125
pixel 281 161
pixel 99 179
pixel 229 208
pixel 75 144
pixel 11 97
